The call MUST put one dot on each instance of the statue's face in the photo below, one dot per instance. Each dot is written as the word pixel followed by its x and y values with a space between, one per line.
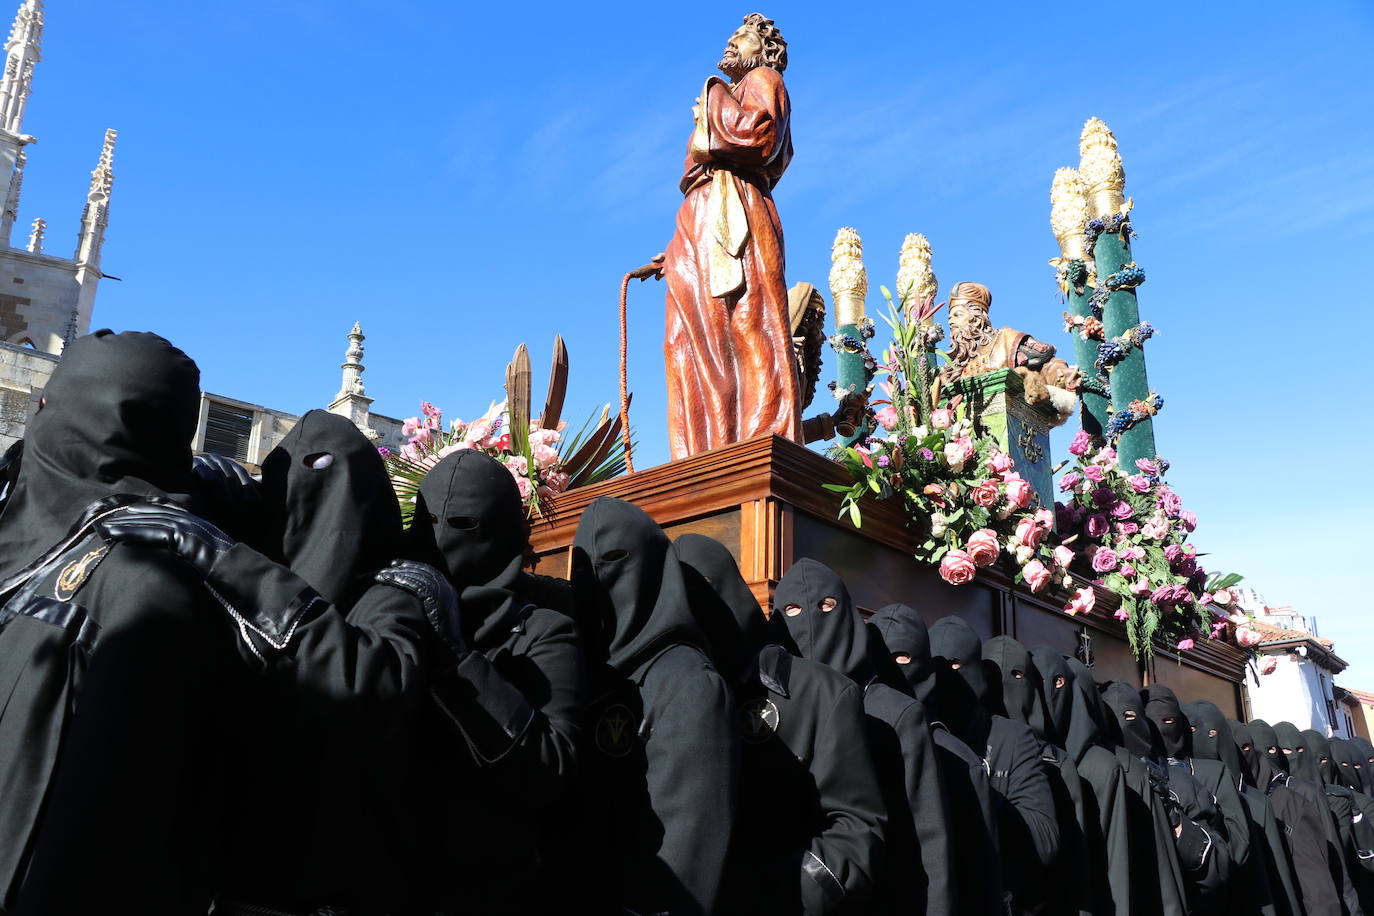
pixel 964 313
pixel 743 52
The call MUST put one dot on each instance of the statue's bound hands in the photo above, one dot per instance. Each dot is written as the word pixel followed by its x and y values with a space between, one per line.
pixel 653 269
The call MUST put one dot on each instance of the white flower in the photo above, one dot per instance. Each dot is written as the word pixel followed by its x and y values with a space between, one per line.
pixel 920 432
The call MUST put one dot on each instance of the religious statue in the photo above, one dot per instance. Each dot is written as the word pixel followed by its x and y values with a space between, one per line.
pixel 731 371
pixel 976 348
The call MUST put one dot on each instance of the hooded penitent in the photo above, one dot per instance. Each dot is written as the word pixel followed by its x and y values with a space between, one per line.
pixel 657 806
pixel 1302 752
pixel 339 519
pixel 1164 711
pixel 1019 695
pixel 821 618
pixel 1366 750
pixel 1267 743
pixel 1212 738
pixel 118 417
pixel 730 617
pixel 1138 733
pixel 1348 765
pixel 908 643
pixel 961 684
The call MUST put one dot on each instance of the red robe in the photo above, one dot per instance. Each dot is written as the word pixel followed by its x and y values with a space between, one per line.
pixel 728 346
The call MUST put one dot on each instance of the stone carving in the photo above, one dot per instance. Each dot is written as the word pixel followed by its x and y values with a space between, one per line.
pixel 96 215
pixel 23 48
pixel 40 228
pixel 976 348
pixel 731 372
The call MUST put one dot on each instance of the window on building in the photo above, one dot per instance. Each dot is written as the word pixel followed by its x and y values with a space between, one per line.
pixel 227 430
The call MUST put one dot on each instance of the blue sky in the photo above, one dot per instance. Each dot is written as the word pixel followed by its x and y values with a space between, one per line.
pixel 464 177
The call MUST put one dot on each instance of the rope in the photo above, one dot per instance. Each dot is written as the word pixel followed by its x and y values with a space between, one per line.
pixel 624 375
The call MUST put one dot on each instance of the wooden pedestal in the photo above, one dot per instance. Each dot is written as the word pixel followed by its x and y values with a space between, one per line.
pixel 763 500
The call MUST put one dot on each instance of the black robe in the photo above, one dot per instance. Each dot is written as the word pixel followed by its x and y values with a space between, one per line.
pixel 662 758
pixel 507 717
pixel 1307 830
pixel 126 658
pixel 976 877
pixel 1028 829
pixel 1316 763
pixel 917 836
pixel 809 833
pixel 1199 846
pixel 1072 708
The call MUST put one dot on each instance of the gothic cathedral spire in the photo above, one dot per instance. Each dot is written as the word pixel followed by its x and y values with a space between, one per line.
pixel 23 49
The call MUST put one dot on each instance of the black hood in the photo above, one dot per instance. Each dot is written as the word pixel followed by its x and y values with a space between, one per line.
pixel 1138 733
pixel 1212 739
pixel 1009 662
pixel 1099 727
pixel 1295 751
pixel 1318 762
pixel 470 522
pixel 724 607
pixel 1166 713
pixel 633 601
pixel 1366 750
pixel 1059 696
pixel 339 519
pixel 903 633
pixel 1349 764
pixel 119 415
pixel 1267 743
pixel 961 684
pixel 835 637
pixel 1259 770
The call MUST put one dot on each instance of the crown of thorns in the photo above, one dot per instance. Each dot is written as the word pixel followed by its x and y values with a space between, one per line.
pixel 774 45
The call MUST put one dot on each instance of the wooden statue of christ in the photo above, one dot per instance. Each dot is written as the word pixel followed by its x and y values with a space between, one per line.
pixel 730 367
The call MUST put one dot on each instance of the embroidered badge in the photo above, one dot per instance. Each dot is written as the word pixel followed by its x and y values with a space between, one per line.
pixel 75 574
pixel 616 730
pixel 760 720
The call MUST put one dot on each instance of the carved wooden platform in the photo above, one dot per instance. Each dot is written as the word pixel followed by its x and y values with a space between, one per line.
pixel 763 499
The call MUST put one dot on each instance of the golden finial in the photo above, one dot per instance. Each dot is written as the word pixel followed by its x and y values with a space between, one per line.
pixel 848 279
pixel 1100 169
pixel 1068 213
pixel 915 277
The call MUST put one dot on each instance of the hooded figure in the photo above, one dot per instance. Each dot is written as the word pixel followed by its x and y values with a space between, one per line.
pixel 663 756
pixel 117 651
pixel 1105 825
pixel 1164 710
pixel 1309 835
pixel 1027 826
pixel 1266 883
pixel 901 634
pixel 1313 755
pixel 1018 694
pixel 809 833
pixel 1294 747
pixel 510 711
pixel 826 628
pixel 1199 848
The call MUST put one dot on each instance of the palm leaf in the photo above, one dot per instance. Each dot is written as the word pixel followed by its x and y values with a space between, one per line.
pixel 518 399
pixel 558 386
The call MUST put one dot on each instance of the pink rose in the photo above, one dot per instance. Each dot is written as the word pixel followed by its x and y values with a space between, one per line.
pixel 1082 602
pixel 1019 493
pixel 1036 575
pixel 1126 529
pixel 957 568
pixel 524 485
pixel 1139 483
pixel 1044 517
pixel 1106 457
pixel 1063 556
pixel 1169 502
pixel 985 494
pixel 1147 466
pixel 1122 614
pixel 1269 664
pixel 1154 531
pixel 1127 570
pixel 517 465
pixel 982 547
pixel 545 456
pixel 1185 644
pixel 1140 587
pixel 1095 473
pixel 1121 510
pixel 410 425
pixel 1130 553
pixel 1069 481
pixel 1188 520
pixel 1104 560
pixel 1247 638
pixel 1029 533
pixel 886 417
pixel 1096 525
pixel 1080 444
pixel 1000 462
pixel 1222 596
pixel 941 419
pixel 557 481
pixel 1172 553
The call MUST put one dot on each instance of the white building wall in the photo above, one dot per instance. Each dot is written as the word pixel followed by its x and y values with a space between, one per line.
pixel 1295 691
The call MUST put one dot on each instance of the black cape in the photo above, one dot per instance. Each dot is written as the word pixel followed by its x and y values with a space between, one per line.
pixel 809 832
pixel 663 758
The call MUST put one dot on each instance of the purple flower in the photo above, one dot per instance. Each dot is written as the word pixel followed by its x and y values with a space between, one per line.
pixel 1172 553
pixel 1103 497
pixel 1163 596
pixel 1065 517
pixel 926 454
pixel 1069 481
pixel 884 461
pixel 1139 483
pixel 1121 510
pixel 383 451
pixel 1147 467
pixel 1187 566
pixel 1188 519
pixel 1104 560
pixel 1169 502
pixel 1097 525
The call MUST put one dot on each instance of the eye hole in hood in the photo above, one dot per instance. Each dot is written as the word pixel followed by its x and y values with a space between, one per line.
pixel 318 461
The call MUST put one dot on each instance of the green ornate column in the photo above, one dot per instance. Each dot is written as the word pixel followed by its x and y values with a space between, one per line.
pixel 997 401
pixel 1074 272
pixel 853 330
pixel 1109 230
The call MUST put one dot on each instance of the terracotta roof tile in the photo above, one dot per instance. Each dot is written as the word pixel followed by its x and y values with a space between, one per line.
pixel 1276 634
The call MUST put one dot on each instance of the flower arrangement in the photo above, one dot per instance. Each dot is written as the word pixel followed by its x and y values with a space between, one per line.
pixel 1130 533
pixel 971 506
pixel 540 456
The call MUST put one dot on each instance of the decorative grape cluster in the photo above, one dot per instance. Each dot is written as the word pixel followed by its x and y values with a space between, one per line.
pixel 1128 277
